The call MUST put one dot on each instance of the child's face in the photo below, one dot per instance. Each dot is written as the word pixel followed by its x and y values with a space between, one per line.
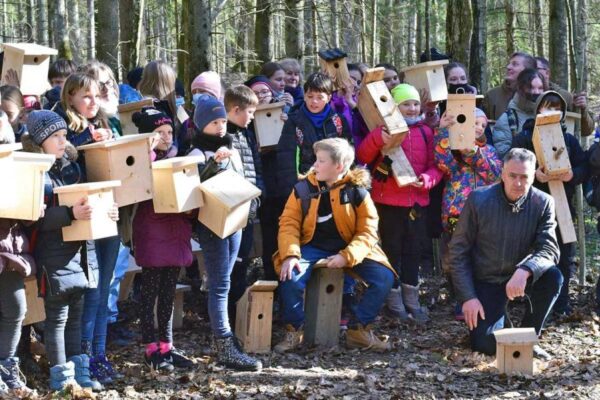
pixel 56 144
pixel 278 80
pixel 217 127
pixel 86 102
pixel 325 169
pixel 263 92
pixel 356 79
pixel 480 125
pixel 391 79
pixel 241 117
pixel 316 101
pixel 292 78
pixel 58 82
pixel 166 137
pixel 12 111
pixel 410 108
pixel 547 109
pixel 457 76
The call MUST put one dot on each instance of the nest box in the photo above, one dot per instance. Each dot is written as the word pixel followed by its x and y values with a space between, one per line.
pixel 333 63
pixel 30 62
pixel 227 197
pixel 254 317
pixel 402 171
pixel 268 123
pixel 35 304
pixel 175 183
pixel 127 110
pixel 7 178
pixel 462 133
pixel 100 196
pixel 125 159
pixel 571 118
pixel 549 144
pixel 514 350
pixel 430 76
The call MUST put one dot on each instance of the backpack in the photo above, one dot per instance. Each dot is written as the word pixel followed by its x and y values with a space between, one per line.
pixel 305 191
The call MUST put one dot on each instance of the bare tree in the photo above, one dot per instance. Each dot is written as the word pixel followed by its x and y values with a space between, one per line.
pixel 538 28
pixel 558 42
pixel 263 36
pixel 509 26
pixel 459 25
pixel 60 30
pixel 92 31
pixel 107 35
pixel 42 22
pixel 294 29
pixel 478 59
pixel 74 29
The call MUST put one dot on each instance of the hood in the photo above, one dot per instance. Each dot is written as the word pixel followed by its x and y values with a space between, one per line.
pixel 563 103
pixel 522 104
pixel 31 147
pixel 358 176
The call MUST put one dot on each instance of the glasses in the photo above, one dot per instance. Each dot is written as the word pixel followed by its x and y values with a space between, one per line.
pixel 105 85
pixel 263 93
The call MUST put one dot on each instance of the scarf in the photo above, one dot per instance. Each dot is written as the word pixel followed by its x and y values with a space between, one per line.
pixel 212 143
pixel 413 121
pixel 316 119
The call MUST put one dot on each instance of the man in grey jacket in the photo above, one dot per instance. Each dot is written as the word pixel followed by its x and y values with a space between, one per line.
pixel 505 247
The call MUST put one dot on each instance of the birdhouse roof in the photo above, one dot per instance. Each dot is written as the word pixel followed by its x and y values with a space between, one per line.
pixel 177 162
pixel 373 75
pixel 263 286
pixel 549 118
pixel 87 187
pixel 426 65
pixel 124 140
pixel 41 161
pixel 6 149
pixel 31 49
pixel 516 336
pixel 270 106
pixel 136 105
pixel 332 54
pixel 230 189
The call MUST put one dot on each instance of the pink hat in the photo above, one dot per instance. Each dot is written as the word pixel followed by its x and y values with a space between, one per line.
pixel 209 82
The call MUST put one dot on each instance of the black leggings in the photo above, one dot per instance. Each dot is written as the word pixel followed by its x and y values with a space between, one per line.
pixel 158 282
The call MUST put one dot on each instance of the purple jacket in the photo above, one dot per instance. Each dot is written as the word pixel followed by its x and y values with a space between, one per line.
pixel 14 248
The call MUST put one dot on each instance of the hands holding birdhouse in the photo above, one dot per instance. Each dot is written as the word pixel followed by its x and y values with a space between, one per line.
pixel 543 177
pixel 82 211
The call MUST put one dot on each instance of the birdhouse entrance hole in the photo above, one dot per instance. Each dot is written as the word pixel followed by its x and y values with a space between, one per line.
pixel 516 354
pixel 269 114
pixel 336 64
pixel 260 316
pixel 329 288
pixel 383 99
pixel 461 118
pixel 130 160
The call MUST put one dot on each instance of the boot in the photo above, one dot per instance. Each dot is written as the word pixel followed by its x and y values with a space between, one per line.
pixel 62 375
pixel 359 337
pixel 11 376
pixel 410 295
pixel 82 373
pixel 395 306
pixel 292 340
pixel 99 371
pixel 231 355
pixel 3 389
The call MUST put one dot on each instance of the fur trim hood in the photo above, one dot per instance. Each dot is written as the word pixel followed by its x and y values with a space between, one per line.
pixel 358 176
pixel 31 147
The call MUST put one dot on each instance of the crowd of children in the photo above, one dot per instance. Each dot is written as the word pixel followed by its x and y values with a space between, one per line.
pixel 329 196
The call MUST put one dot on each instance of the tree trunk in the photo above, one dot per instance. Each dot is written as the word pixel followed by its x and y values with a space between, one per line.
pixel 478 59
pixel 128 17
pixel 141 48
pixel 351 36
pixel 42 22
pixel 75 30
pixel 263 34
pixel 557 26
pixel 419 31
pixel 60 30
pixel 373 32
pixel 335 24
pixel 538 28
pixel 411 48
pixel 107 36
pixel 92 32
pixel 581 46
pixel 309 45
pixel 509 26
pixel 459 25
pixel 315 30
pixel 427 30
pixel 183 64
pixel 386 33
pixel 294 29
pixel 201 38
pixel 30 18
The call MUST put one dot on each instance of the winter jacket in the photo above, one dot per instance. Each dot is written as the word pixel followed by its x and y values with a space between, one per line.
pixel 511 123
pixel 494 237
pixel 495 101
pixel 354 215
pixel 587 118
pixel 85 136
pixel 464 172
pixel 14 248
pixel 244 141
pixel 418 147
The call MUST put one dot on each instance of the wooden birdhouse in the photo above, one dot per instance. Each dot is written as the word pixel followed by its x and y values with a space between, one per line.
pixel 7 177
pixel 377 106
pixel 268 123
pixel 35 304
pixel 30 62
pixel 127 110
pixel 227 197
pixel 428 75
pixel 571 118
pixel 402 171
pixel 125 159
pixel 514 350
pixel 333 63
pixel 100 197
pixel 462 133
pixel 23 197
pixel 176 182
pixel 254 315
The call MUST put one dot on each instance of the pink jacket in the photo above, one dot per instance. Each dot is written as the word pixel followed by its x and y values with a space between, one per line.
pixel 418 146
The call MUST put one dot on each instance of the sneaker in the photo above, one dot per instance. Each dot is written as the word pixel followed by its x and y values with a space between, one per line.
pixel 13 379
pixel 230 355
pixel 359 337
pixel 158 362
pixel 292 340
pixel 101 363
pixel 179 359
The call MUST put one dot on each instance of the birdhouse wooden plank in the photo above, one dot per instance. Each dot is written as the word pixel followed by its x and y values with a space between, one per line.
pixel 127 110
pixel 333 63
pixel 30 62
pixel 268 123
pixel 549 144
pixel 35 304
pixel 402 171
pixel 430 76
pixel 563 212
pixel 254 317
pixel 323 306
pixel 227 199
pixel 23 175
pixel 514 350
pixel 571 118
pixel 125 159
pixel 100 196
pixel 462 133
pixel 7 177
pixel 176 182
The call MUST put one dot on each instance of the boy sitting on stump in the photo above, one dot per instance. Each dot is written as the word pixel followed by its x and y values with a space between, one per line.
pixel 330 216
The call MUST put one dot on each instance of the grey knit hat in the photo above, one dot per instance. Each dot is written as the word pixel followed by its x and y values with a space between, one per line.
pixel 42 124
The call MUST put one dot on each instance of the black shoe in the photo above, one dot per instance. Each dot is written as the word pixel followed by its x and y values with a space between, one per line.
pixel 158 362
pixel 178 359
pixel 229 354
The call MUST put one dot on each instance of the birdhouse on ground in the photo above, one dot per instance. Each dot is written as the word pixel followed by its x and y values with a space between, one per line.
pixel 514 350
pixel 268 123
pixel 462 133
pixel 30 62
pixel 254 317
pixel 175 182
pixel 333 63
pixel 227 198
pixel 127 110
pixel 125 159
pixel 100 197
pixel 571 118
pixel 430 76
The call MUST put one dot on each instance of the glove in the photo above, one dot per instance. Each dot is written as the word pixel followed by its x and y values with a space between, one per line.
pixel 383 170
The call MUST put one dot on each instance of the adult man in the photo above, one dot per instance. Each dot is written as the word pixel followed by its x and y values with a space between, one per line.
pixel 505 247
pixel 573 100
pixel 496 100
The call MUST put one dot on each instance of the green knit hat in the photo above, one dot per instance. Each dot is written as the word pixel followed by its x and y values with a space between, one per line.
pixel 404 92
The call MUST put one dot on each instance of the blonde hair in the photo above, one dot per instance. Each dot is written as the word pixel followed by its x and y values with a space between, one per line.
pixel 95 67
pixel 158 81
pixel 241 96
pixel 76 82
pixel 340 151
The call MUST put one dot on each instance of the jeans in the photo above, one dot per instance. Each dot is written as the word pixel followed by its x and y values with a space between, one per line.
pixel 115 285
pixel 13 307
pixel 219 258
pixel 94 319
pixel 542 295
pixel 378 278
pixel 240 268
pixel 63 326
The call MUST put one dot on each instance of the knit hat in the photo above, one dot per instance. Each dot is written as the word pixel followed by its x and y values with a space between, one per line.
pixel 258 79
pixel 149 119
pixel 480 114
pixel 404 92
pixel 135 76
pixel 42 124
pixel 209 82
pixel 207 110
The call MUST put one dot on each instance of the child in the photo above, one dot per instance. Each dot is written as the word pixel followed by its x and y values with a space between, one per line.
pixel 400 209
pixel 161 245
pixel 318 223
pixel 276 75
pixel 209 83
pixel 293 77
pixel 58 73
pixel 215 145
pixel 391 78
pixel 109 93
pixel 13 105
pixel 158 82
pixel 65 269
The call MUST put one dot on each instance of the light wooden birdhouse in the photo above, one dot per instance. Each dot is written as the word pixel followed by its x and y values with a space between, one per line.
pixel 377 106
pixel 227 197
pixel 35 304
pixel 571 118
pixel 428 75
pixel 333 63
pixel 30 62
pixel 24 195
pixel 100 197
pixel 462 133
pixel 268 123
pixel 127 110
pixel 403 172
pixel 254 315
pixel 176 182
pixel 125 159
pixel 7 177
pixel 549 144
pixel 514 350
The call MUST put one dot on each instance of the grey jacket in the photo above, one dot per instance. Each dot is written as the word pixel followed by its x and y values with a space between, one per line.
pixel 491 241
